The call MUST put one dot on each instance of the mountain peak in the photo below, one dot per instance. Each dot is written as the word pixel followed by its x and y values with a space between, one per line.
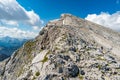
pixel 67 19
pixel 66 14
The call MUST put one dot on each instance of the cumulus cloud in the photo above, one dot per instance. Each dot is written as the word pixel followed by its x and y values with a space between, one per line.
pixel 108 20
pixel 10 23
pixel 13 13
pixel 13 16
pixel 16 33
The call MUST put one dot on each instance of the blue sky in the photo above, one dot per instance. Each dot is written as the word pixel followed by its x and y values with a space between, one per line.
pixel 24 18
pixel 51 9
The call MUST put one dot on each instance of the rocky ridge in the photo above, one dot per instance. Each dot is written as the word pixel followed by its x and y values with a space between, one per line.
pixel 69 48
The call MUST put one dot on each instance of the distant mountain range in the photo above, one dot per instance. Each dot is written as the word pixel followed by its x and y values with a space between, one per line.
pixel 3 56
pixel 8 45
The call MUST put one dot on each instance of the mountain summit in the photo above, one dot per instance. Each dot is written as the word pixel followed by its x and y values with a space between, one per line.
pixel 69 48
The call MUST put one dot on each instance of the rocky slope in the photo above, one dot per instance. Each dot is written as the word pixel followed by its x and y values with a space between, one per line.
pixel 69 48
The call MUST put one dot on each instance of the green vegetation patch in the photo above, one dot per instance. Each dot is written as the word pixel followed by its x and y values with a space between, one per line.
pixel 80 77
pixel 21 70
pixel 34 78
pixel 45 57
pixel 29 46
pixel 101 58
pixel 37 73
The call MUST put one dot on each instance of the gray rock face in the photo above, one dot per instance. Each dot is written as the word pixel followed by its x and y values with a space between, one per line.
pixel 71 71
pixel 69 48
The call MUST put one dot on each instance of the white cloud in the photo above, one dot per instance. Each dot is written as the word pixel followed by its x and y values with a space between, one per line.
pixel 108 20
pixel 13 16
pixel 11 23
pixel 14 13
pixel 36 28
pixel 16 33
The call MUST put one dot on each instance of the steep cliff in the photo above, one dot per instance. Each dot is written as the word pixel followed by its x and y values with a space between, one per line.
pixel 69 48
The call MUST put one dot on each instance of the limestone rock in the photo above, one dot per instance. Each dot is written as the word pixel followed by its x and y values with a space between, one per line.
pixel 69 48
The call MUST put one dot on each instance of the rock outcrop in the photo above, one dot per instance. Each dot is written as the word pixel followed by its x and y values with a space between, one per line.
pixel 68 48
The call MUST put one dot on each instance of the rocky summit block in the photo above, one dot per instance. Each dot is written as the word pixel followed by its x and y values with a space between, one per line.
pixel 69 48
